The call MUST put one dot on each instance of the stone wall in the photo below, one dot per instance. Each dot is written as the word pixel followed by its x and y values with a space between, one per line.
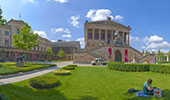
pixel 102 52
pixel 82 58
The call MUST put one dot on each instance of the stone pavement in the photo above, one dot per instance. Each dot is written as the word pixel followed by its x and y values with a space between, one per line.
pixel 28 76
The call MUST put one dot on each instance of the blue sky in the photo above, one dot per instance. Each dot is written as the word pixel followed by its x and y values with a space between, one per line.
pixel 64 19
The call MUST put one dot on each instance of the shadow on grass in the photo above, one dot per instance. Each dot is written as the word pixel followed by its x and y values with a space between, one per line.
pixel 165 96
pixel 86 98
pixel 27 93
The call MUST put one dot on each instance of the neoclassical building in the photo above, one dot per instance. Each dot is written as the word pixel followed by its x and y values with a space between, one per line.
pixel 9 53
pixel 108 40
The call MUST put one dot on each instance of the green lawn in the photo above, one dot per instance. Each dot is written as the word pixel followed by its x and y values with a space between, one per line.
pixel 11 68
pixel 91 83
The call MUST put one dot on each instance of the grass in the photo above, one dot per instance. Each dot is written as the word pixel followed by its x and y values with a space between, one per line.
pixel 91 83
pixel 11 68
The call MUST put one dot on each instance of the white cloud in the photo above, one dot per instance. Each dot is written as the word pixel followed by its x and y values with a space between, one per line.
pixel 74 21
pixel 41 33
pixel 133 39
pixel 102 14
pixel 31 1
pixel 155 39
pixel 118 18
pixel 53 40
pixel 67 36
pixel 60 1
pixel 82 43
pixel 61 30
pixel 155 43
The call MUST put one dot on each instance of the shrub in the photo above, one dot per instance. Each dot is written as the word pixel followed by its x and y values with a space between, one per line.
pixel 159 68
pixel 128 67
pixel 62 72
pixel 72 65
pixel 3 97
pixel 69 68
pixel 44 82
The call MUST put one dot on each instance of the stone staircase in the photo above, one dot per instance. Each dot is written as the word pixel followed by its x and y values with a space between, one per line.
pixel 145 57
pixel 96 55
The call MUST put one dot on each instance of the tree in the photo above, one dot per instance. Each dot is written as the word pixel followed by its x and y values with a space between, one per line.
pixel 143 51
pixel 61 54
pixel 160 55
pixel 49 52
pixel 25 39
pixel 147 52
pixel 2 21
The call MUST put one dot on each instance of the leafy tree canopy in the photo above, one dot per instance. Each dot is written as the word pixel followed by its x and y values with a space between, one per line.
pixel 2 21
pixel 61 53
pixel 160 54
pixel 49 52
pixel 25 39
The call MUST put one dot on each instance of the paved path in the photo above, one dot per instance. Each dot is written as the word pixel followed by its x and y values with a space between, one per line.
pixel 28 76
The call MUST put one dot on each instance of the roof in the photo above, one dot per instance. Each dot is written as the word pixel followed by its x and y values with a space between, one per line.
pixel 12 20
pixel 75 44
pixel 109 22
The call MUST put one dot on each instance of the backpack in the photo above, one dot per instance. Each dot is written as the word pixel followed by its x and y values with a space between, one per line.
pixel 132 90
pixel 157 92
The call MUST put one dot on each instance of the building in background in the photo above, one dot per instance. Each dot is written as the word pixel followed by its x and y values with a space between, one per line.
pixel 7 52
pixel 67 46
pixel 108 40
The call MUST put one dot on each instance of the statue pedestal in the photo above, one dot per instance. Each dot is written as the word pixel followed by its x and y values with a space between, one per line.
pixel 20 64
pixel 134 60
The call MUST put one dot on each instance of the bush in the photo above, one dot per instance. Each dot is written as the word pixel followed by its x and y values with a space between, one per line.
pixel 62 72
pixel 139 67
pixel 3 97
pixel 69 68
pixel 128 67
pixel 72 65
pixel 44 82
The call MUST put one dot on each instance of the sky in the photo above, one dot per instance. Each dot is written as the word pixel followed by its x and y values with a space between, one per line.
pixel 64 19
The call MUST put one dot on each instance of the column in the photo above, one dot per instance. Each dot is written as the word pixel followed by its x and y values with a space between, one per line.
pixel 105 34
pixel 123 42
pixel 128 38
pixel 112 34
pixel 93 34
pixel 167 58
pixel 99 34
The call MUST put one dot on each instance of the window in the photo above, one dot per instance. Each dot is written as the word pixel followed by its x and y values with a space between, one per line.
pixel 96 35
pixel 6 33
pixel 89 35
pixel 109 35
pixel 17 31
pixel 103 35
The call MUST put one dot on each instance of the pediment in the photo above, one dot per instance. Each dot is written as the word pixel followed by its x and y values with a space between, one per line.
pixel 110 23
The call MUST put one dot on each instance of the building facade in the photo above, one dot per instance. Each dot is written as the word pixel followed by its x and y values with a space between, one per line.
pixel 7 52
pixel 108 40
pixel 67 46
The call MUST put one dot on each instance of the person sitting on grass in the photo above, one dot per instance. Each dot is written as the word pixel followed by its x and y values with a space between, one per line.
pixel 147 89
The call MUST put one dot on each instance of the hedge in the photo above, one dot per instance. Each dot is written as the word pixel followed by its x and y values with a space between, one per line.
pixel 139 67
pixel 44 82
pixel 128 67
pixel 69 68
pixel 72 65
pixel 62 72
